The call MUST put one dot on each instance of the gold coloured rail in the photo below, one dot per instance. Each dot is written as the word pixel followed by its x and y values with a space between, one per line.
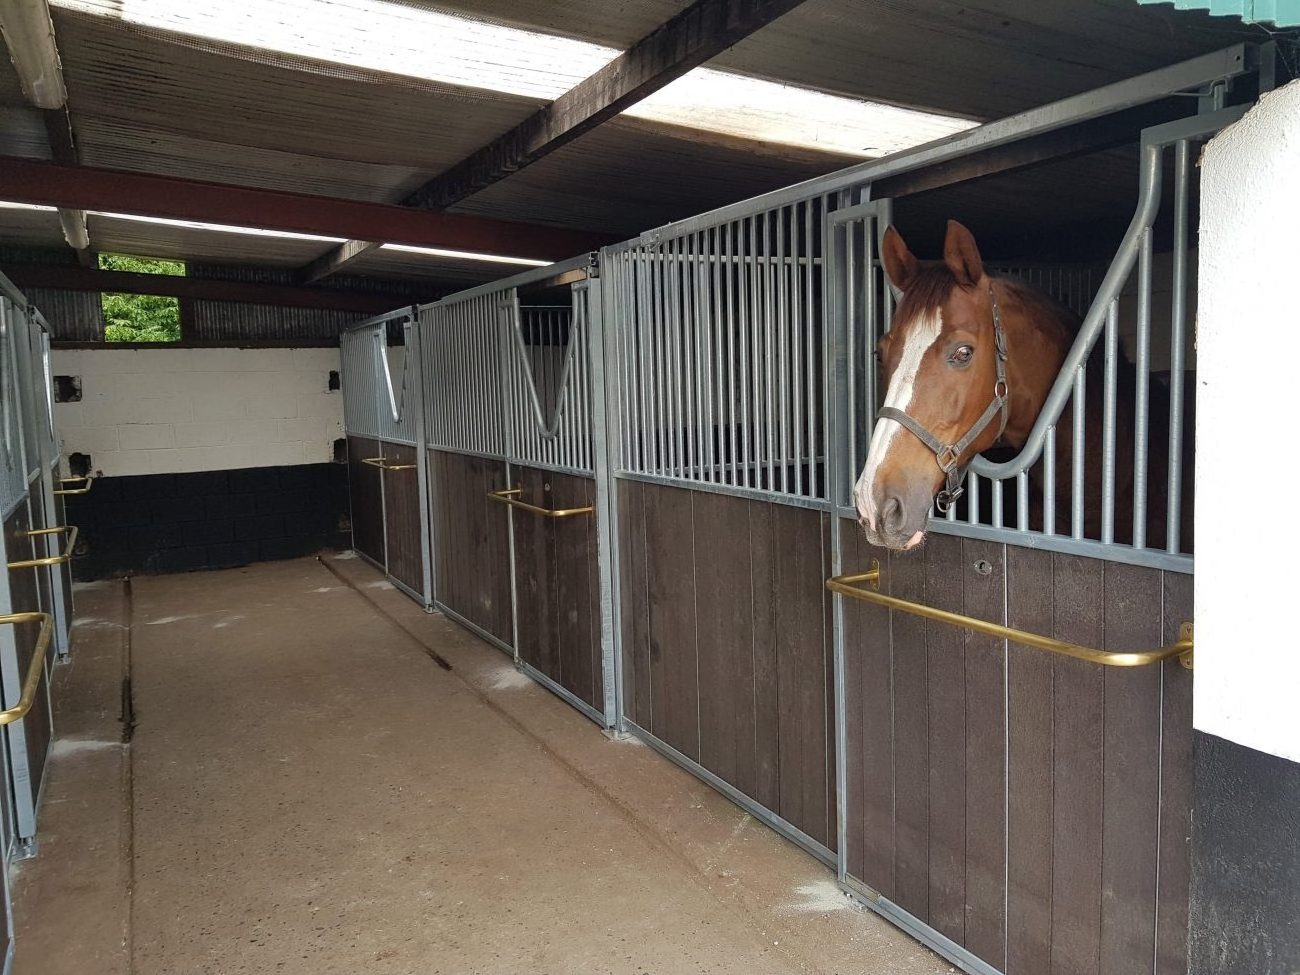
pixel 383 465
pixel 853 587
pixel 34 669
pixel 69 530
pixel 88 478
pixel 510 496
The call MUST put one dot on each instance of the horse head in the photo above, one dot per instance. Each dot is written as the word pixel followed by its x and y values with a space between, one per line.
pixel 964 365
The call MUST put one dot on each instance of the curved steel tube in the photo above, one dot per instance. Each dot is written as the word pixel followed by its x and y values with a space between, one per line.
pixel 88 478
pixel 851 586
pixel 510 496
pixel 35 669
pixel 69 530
pixel 547 430
pixel 1111 286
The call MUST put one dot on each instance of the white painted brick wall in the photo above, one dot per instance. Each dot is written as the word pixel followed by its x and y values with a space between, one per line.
pixel 160 411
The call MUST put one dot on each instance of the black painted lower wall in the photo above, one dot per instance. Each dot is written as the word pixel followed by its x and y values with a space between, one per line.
pixel 154 523
pixel 1245 914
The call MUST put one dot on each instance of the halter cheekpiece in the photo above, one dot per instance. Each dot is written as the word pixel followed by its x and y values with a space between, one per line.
pixel 949 455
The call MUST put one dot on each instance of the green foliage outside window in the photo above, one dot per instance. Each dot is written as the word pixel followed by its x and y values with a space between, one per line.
pixel 141 318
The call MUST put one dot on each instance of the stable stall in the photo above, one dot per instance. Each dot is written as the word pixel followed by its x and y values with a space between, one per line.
pixel 640 473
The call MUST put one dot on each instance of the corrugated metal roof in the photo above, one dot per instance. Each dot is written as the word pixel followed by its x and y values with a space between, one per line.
pixel 1279 13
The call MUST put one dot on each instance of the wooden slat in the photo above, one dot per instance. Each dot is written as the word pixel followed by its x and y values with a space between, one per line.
pixel 1030 806
pixel 670 582
pixel 366 492
pixel 1175 787
pixel 724 601
pixel 403 541
pixel 767 712
pixel 576 630
pixel 1078 777
pixel 905 578
pixel 985 759
pixel 801 672
pixel 1131 775
pixel 534 578
pixel 635 608
pixel 945 645
pixel 870 760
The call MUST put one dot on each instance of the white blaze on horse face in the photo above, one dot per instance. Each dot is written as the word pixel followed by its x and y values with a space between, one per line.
pixel 923 334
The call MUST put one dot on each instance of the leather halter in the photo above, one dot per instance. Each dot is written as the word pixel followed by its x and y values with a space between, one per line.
pixel 949 455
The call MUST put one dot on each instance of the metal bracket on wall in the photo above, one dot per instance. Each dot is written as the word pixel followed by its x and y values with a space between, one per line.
pixel 852 586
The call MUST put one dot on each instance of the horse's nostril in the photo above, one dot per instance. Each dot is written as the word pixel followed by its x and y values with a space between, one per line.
pixel 892 515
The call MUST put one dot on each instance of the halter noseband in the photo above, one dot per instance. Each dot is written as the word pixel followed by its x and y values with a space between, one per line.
pixel 949 455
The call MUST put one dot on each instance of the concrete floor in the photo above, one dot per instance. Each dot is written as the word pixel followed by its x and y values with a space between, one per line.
pixel 307 791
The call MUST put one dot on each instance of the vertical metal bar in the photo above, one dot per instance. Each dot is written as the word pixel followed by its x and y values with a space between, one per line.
pixel 604 421
pixel 681 359
pixel 798 328
pixel 1022 501
pixel 1108 424
pixel 810 325
pixel 672 342
pixel 1142 394
pixel 853 316
pixel 716 413
pixel 997 504
pixel 769 352
pixel 732 351
pixel 1177 348
pixel 660 371
pixel 783 348
pixel 1077 453
pixel 972 498
pixel 745 336
pixel 1049 481
pixel 694 321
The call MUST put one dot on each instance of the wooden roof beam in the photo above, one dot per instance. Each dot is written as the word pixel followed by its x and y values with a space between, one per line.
pixel 697 34
pixel 142 194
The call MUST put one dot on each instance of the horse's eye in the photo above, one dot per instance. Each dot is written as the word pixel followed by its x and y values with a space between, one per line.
pixel 961 355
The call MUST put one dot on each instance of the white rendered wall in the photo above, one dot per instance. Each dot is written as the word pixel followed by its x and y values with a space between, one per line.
pixel 1248 432
pixel 177 410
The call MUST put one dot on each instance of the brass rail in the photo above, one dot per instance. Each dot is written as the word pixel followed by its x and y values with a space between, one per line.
pixel 383 465
pixel 34 669
pixel 69 530
pixel 852 586
pixel 510 496
pixel 88 478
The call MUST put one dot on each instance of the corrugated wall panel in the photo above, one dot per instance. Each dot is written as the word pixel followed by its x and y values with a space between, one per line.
pixel 1279 13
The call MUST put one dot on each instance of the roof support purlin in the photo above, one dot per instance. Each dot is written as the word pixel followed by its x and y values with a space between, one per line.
pixel 69 278
pixel 112 190
pixel 697 34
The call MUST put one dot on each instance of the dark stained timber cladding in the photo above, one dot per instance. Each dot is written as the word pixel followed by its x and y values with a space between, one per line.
pixel 1030 798
pixel 1175 786
pixel 905 578
pixel 557 583
pixel 986 754
pixel 24 596
pixel 365 484
pixel 726 643
pixel 402 539
pixel 472 540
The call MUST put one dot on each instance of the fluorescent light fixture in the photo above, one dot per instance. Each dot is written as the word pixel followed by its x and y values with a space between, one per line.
pixel 222 228
pixel 465 255
pixel 420 42
pixel 29 32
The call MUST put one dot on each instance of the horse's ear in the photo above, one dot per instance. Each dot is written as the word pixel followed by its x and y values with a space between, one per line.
pixel 900 265
pixel 962 256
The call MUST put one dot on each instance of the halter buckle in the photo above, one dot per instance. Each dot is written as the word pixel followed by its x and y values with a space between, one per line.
pixel 945 499
pixel 1000 389
pixel 947 457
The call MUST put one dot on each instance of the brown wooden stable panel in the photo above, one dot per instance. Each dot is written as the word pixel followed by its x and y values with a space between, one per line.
pixel 1031 807
pixel 557 583
pixel 24 596
pixel 403 542
pixel 726 642
pixel 471 540
pixel 365 486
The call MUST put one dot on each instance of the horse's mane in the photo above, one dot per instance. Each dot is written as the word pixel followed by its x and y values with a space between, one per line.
pixel 930 288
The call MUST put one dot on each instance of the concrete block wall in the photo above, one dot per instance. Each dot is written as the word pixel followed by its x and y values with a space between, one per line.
pixel 166 411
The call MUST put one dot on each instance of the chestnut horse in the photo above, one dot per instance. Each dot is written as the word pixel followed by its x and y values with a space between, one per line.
pixel 967 366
